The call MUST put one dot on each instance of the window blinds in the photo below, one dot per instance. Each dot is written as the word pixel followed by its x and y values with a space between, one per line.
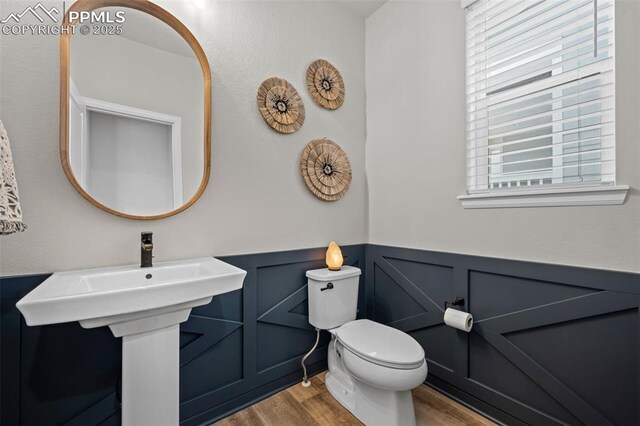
pixel 540 93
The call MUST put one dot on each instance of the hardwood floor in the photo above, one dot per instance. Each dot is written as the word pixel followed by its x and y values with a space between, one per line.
pixel 297 406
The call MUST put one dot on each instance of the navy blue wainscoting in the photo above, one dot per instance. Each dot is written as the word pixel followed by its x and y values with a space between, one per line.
pixel 551 344
pixel 238 349
pixel 273 336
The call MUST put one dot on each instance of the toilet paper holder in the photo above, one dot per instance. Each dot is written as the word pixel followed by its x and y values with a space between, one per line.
pixel 459 301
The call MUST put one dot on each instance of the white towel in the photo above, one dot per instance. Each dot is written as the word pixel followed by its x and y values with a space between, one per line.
pixel 10 212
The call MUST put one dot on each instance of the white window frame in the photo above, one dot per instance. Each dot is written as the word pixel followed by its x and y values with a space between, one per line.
pixel 541 196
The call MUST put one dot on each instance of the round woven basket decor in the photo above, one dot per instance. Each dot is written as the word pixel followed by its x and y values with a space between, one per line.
pixel 280 105
pixel 325 84
pixel 325 169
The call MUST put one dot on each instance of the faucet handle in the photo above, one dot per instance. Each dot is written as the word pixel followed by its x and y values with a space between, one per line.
pixel 146 240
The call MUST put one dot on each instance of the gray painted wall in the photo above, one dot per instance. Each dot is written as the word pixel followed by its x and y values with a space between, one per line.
pixel 256 200
pixel 415 76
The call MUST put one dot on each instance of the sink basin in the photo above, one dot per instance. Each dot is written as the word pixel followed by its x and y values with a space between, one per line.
pixel 91 294
pixel 144 306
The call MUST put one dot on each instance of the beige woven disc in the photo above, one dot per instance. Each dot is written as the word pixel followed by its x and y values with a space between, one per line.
pixel 325 169
pixel 325 84
pixel 280 105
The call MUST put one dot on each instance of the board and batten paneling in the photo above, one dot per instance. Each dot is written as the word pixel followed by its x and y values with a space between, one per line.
pixel 238 349
pixel 550 344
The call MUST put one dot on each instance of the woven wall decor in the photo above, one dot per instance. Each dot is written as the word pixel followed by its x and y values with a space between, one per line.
pixel 325 169
pixel 280 105
pixel 325 84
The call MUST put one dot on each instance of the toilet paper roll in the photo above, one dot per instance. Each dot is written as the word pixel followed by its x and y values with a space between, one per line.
pixel 458 319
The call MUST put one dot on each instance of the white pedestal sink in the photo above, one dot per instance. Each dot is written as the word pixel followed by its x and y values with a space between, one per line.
pixel 144 306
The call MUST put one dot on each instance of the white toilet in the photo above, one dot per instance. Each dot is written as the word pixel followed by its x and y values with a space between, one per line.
pixel 372 367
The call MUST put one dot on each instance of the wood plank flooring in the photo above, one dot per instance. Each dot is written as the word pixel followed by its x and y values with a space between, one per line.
pixel 314 406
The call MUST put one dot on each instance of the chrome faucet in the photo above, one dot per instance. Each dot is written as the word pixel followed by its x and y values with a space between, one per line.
pixel 146 249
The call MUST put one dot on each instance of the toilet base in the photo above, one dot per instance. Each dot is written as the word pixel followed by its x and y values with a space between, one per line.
pixel 372 406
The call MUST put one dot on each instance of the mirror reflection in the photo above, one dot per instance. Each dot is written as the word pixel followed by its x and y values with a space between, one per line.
pixel 136 116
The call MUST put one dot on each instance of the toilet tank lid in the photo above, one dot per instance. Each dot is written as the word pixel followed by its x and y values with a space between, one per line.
pixel 325 274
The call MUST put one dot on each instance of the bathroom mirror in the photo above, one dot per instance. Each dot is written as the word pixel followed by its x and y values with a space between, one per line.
pixel 135 109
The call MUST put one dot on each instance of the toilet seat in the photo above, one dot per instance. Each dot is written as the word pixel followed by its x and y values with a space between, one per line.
pixel 383 377
pixel 380 345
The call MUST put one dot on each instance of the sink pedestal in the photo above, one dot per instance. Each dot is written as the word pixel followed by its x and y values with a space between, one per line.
pixel 150 362
pixel 150 377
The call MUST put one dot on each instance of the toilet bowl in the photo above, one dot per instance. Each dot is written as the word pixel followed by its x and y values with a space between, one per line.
pixel 372 367
pixel 372 370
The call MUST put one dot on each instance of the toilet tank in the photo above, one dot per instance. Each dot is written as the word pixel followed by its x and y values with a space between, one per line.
pixel 333 296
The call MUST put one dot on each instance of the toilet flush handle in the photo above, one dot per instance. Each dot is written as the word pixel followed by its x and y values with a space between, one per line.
pixel 328 287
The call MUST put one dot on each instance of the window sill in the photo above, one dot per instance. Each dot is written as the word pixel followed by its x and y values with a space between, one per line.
pixel 550 197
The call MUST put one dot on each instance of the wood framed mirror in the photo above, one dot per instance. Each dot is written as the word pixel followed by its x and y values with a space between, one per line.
pixel 135 108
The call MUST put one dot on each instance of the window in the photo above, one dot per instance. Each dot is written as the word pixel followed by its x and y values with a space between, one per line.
pixel 540 101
